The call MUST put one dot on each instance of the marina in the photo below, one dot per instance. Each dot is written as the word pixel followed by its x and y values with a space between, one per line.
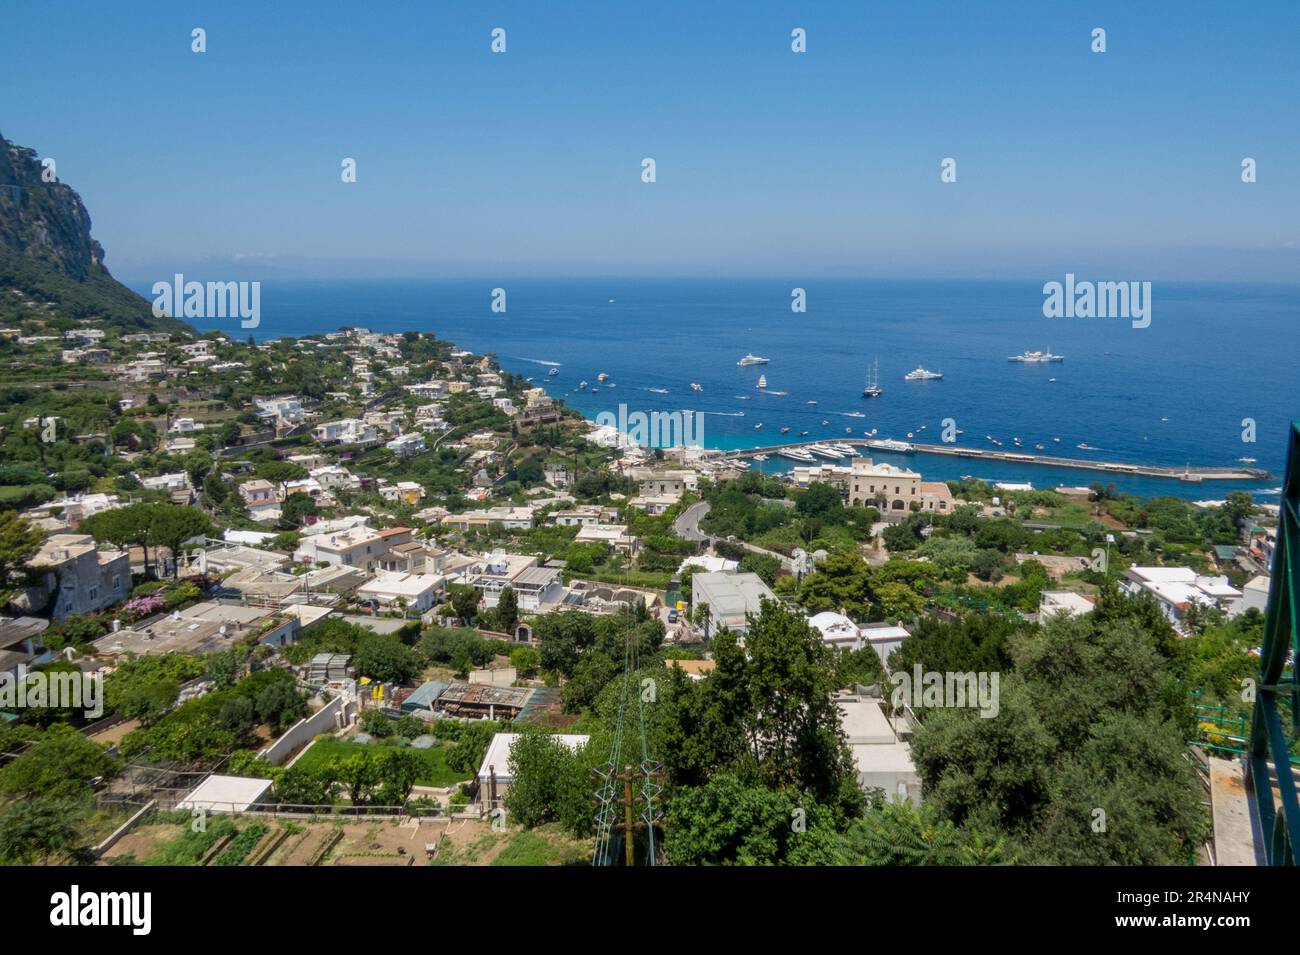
pixel 797 449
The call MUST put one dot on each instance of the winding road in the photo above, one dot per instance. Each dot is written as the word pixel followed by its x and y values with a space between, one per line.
pixel 687 527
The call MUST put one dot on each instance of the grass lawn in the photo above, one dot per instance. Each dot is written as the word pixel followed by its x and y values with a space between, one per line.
pixel 434 771
pixel 534 848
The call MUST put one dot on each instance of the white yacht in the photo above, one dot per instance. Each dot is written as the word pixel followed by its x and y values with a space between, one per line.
pixel 845 449
pixel 752 360
pixel 762 381
pixel 920 374
pixel 695 386
pixel 822 451
pixel 1036 357
pixel 797 454
pixel 553 372
pixel 602 376
pixel 889 444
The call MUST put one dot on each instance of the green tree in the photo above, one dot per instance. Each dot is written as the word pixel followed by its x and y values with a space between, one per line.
pixel 992 773
pixel 171 526
pixel 19 542
pixel 385 658
pixel 842 582
pixel 42 828
pixel 549 783
pixel 507 609
pixel 464 601
pixel 899 602
pixel 60 765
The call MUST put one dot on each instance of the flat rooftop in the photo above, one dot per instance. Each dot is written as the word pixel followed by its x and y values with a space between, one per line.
pixel 226 794
pixel 196 629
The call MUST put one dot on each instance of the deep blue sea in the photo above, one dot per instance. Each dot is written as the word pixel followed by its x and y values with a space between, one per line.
pixel 1173 393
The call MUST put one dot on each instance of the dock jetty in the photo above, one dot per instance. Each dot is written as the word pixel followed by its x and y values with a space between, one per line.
pixel 1193 475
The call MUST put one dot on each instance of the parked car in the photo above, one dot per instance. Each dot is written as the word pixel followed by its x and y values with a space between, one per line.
pixel 672 615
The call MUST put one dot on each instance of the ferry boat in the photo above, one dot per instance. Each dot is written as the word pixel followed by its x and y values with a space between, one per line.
pixel 1036 357
pixel 873 389
pixel 762 381
pixel 752 360
pixel 920 374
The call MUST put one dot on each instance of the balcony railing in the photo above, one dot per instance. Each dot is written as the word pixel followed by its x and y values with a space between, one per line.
pixel 1270 760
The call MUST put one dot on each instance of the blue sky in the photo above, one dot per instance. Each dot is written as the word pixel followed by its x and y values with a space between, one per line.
pixel 769 163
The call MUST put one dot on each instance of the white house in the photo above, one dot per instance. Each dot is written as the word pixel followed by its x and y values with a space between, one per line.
pixel 1177 589
pixel 729 597
pixel 414 591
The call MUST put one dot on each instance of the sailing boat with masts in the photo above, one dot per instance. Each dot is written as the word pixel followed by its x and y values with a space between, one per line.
pixel 873 389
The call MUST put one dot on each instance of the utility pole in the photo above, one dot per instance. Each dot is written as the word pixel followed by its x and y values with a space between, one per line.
pixel 628 829
pixel 632 821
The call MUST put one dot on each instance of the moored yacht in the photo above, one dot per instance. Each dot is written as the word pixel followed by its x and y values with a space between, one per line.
pixel 920 374
pixel 889 444
pixel 873 389
pixel 752 360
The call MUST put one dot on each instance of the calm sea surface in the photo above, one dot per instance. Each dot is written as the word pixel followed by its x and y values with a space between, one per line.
pixel 1173 393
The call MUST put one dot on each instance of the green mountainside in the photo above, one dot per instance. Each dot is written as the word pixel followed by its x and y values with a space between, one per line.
pixel 50 267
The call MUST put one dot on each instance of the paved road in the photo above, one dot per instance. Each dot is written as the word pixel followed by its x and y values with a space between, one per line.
pixel 687 527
